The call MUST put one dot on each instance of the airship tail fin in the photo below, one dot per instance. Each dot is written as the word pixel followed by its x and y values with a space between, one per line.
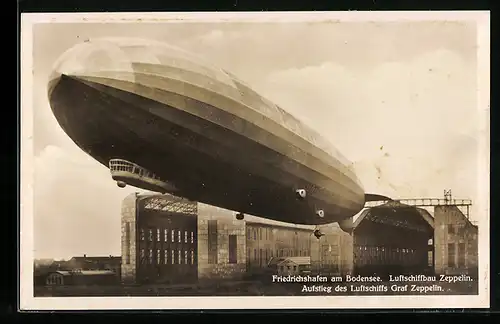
pixel 375 197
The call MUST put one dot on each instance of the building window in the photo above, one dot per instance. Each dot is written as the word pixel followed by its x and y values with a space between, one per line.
pixel 233 249
pixel 185 236
pixel 212 242
pixel 150 256
pixel 255 235
pixel 165 235
pixel 142 234
pixel 179 236
pixel 172 259
pixel 179 257
pixel 260 234
pixel 127 243
pixel 165 257
pixel 185 257
pixel 260 256
pixel 143 256
pixel 248 255
pixel 451 255
pixel 150 235
pixel 173 236
pixel 192 257
pixel 158 235
pixel 429 258
pixel 158 256
pixel 192 237
pixel 461 255
pixel 451 229
pixel 255 254
pixel 249 234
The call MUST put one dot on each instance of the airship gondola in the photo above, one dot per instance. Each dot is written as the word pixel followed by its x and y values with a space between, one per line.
pixel 165 120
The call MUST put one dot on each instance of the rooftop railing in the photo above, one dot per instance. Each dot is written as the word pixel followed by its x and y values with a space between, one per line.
pixel 422 202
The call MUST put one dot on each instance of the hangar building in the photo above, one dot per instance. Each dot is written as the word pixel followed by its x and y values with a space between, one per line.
pixel 167 239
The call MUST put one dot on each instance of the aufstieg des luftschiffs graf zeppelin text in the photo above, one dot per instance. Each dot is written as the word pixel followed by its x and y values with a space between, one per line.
pixel 396 283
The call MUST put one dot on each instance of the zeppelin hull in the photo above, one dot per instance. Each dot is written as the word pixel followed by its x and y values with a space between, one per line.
pixel 210 146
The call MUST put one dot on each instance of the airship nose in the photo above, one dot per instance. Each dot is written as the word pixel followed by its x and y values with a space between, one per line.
pixel 91 59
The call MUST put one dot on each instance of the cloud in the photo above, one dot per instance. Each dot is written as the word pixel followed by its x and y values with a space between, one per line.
pixel 249 49
pixel 77 205
pixel 408 126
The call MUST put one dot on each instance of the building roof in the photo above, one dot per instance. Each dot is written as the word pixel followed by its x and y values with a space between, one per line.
pixel 275 260
pixel 97 258
pixel 93 273
pixel 297 260
pixel 67 273
pixel 62 273
pixel 397 209
pixel 168 203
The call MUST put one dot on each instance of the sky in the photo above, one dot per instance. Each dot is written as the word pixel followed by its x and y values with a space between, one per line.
pixel 397 99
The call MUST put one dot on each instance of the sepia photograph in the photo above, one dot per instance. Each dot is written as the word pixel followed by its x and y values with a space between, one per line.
pixel 280 160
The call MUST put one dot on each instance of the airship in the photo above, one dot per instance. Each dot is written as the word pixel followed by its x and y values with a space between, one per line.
pixel 165 120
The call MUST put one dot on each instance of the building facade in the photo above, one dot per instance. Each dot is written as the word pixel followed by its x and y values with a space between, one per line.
pixel 455 242
pixel 332 253
pixel 159 239
pixel 221 244
pixel 264 241
pixel 166 239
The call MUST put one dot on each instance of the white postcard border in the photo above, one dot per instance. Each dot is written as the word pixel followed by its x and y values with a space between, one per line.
pixel 28 302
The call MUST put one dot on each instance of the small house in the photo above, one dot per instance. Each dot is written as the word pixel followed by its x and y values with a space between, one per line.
pixel 294 266
pixel 58 278
pixel 273 263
